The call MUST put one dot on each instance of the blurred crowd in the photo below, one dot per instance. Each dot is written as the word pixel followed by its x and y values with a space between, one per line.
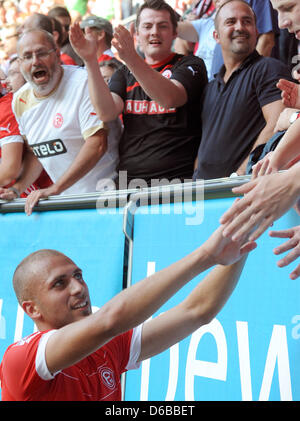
pixel 14 12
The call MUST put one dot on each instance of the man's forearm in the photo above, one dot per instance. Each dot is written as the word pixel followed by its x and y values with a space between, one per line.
pixel 32 169
pixel 199 308
pixel 293 175
pixel 100 94
pixel 155 290
pixel 160 89
pixel 128 309
pixel 88 156
pixel 288 148
pixel 264 136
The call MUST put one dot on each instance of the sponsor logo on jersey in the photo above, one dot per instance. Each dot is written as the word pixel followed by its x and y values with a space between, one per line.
pixel 108 377
pixel 58 120
pixel 146 107
pixel 49 148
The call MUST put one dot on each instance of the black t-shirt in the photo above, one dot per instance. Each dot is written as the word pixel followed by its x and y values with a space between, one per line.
pixel 159 142
pixel 232 116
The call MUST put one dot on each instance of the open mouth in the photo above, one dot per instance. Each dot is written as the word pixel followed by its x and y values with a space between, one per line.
pixel 39 75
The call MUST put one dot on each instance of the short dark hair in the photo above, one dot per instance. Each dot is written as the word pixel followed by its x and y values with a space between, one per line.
pixel 59 11
pixel 113 63
pixel 229 1
pixel 158 5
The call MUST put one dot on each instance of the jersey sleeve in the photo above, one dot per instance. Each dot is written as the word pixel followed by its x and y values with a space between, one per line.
pixel 125 350
pixel 267 75
pixel 190 71
pixel 135 348
pixel 21 371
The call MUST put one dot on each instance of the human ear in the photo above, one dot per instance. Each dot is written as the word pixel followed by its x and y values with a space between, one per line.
pixel 216 36
pixel 31 309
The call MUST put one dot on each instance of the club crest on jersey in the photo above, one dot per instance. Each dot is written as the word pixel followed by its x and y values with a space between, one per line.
pixel 108 377
pixel 49 148
pixel 58 120
pixel 167 73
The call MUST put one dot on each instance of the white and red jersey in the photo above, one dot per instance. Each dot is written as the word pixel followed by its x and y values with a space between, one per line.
pixel 24 375
pixel 56 127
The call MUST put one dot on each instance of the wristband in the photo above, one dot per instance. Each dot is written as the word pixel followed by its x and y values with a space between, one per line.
pixel 16 191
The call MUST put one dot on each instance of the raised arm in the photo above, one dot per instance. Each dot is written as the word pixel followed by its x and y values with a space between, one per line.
pixel 74 341
pixel 107 105
pixel 199 308
pixel 186 31
pixel 168 93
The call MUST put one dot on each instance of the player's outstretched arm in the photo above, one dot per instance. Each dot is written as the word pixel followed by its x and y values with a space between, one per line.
pixel 108 106
pixel 199 308
pixel 77 340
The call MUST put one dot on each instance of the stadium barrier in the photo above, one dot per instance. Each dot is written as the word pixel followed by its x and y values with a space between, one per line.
pixel 248 352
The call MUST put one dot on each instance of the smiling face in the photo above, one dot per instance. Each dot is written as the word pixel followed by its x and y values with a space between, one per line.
pixel 236 29
pixel 40 62
pixel 59 295
pixel 155 34
pixel 288 15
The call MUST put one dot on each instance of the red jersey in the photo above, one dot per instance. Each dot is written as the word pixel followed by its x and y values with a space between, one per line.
pixel 24 374
pixel 65 59
pixel 107 55
pixel 9 129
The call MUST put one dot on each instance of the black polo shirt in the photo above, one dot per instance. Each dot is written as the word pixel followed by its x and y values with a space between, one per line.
pixel 232 117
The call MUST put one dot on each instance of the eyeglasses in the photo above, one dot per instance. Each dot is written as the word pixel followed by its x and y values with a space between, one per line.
pixel 40 55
